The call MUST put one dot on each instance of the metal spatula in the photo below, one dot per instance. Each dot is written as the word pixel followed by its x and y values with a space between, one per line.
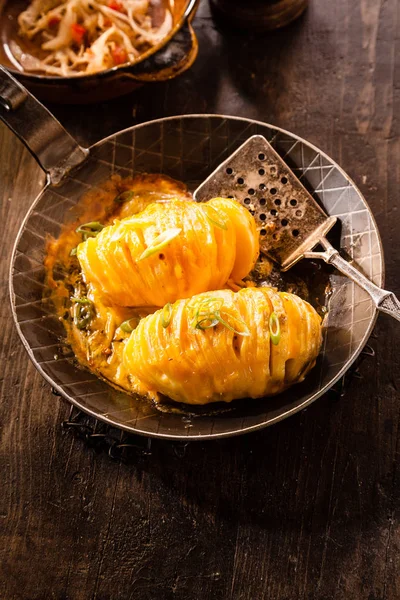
pixel 292 223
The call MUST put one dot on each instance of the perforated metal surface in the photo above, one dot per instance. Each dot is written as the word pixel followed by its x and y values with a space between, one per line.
pixel 257 177
pixel 189 148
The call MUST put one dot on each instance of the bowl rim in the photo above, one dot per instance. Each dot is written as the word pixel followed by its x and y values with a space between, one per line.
pixel 234 432
pixel 54 79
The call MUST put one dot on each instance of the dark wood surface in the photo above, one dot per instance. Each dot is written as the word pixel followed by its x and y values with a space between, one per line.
pixel 308 509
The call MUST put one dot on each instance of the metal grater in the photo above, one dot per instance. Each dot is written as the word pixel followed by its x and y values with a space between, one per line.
pixel 291 222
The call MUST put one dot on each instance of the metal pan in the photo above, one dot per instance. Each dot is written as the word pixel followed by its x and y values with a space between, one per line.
pixel 187 148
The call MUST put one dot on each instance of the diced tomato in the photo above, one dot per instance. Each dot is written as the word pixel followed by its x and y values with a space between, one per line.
pixel 53 21
pixel 115 5
pixel 119 55
pixel 78 33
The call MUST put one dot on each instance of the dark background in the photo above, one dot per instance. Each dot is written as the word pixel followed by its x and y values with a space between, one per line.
pixel 308 509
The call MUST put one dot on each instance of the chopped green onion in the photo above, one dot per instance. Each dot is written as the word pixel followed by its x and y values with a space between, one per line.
pixel 73 251
pixel 129 325
pixel 160 242
pixel 124 196
pixel 204 308
pixel 207 322
pixel 82 300
pixel 83 312
pixel 207 314
pixel 216 218
pixel 207 304
pixel 212 303
pixel 274 329
pixel 245 333
pixel 166 315
pixel 90 229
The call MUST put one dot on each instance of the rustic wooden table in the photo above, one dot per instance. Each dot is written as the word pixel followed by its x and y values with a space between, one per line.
pixel 308 509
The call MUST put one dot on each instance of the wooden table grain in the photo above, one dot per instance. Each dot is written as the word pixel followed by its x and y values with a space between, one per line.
pixel 307 509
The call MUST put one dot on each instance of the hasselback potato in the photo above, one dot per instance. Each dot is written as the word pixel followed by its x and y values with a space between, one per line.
pixel 221 345
pixel 169 251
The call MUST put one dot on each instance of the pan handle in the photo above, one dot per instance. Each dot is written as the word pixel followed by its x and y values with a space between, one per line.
pixel 54 149
pixel 383 300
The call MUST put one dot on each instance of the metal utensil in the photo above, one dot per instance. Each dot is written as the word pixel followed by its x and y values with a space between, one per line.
pixel 292 222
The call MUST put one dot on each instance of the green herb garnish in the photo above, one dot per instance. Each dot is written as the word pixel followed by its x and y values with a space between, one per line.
pixel 215 218
pixel 87 230
pixel 204 309
pixel 129 325
pixel 274 329
pixel 90 229
pixel 207 314
pixel 83 311
pixel 166 315
pixel 160 242
pixel 124 197
pixel 207 323
pixel 244 333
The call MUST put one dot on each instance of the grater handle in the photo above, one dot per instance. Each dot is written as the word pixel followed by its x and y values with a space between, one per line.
pixel 383 300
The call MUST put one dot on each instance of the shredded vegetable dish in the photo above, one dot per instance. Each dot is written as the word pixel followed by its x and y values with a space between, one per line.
pixel 79 37
pixel 167 298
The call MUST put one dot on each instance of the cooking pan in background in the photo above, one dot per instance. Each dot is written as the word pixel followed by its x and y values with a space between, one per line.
pixel 187 148
pixel 168 59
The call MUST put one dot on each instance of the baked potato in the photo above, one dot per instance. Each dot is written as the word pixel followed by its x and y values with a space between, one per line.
pixel 221 345
pixel 169 251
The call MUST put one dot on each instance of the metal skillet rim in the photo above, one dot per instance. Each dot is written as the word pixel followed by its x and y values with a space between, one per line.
pixel 236 432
